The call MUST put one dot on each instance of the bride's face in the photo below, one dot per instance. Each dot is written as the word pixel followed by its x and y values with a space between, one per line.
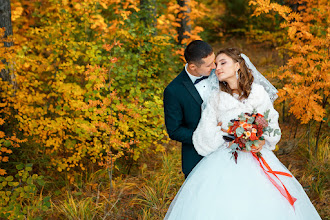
pixel 226 68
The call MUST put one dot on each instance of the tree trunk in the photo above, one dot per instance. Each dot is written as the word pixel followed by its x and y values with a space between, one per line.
pixel 184 17
pixel 325 101
pixel 5 22
pixel 148 9
pixel 283 111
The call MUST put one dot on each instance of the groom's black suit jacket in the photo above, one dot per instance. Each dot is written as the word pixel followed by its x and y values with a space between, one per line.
pixel 182 107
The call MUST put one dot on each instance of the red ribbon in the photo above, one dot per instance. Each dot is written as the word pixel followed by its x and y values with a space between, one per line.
pixel 283 190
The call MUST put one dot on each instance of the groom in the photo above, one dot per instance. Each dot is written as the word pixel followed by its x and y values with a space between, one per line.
pixel 183 98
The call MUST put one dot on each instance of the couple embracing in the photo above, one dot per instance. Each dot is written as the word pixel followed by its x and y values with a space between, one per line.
pixel 223 180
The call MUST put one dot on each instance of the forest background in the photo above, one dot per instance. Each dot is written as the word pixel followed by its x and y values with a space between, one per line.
pixel 82 127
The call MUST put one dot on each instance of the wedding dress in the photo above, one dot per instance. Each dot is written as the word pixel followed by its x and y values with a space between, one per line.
pixel 219 189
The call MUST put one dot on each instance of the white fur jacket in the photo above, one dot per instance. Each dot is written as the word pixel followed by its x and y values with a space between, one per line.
pixel 222 107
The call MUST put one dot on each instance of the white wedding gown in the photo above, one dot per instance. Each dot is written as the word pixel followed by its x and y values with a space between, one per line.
pixel 219 189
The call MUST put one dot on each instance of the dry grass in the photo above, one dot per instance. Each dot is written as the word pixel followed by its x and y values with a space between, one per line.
pixel 312 171
pixel 147 196
pixel 147 193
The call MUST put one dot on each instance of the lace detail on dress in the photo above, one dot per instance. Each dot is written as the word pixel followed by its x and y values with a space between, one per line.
pixel 261 80
pixel 213 81
pixel 236 96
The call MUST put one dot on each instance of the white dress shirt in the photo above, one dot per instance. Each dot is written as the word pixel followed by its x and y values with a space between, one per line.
pixel 201 86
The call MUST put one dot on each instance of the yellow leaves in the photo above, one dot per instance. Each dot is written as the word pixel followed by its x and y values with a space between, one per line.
pixel 199 9
pixel 160 148
pixel 2 66
pixel 170 17
pixel 16 10
pixel 63 100
pixel 77 6
pixel 264 6
pixel 60 166
pixel 103 4
pixel 136 155
pixel 168 22
pixel 98 22
pixel 65 2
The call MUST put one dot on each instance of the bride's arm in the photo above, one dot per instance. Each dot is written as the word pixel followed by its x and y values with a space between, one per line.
pixel 208 135
pixel 273 116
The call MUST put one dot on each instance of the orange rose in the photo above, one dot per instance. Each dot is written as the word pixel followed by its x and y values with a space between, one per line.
pixel 253 137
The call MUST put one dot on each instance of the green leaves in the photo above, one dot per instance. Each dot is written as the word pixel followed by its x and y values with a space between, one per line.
pixel 239 131
pixel 21 189
pixel 9 178
pixel 266 114
pixel 248 145
pixel 277 132
pixel 20 166
pixel 251 120
pixel 7 143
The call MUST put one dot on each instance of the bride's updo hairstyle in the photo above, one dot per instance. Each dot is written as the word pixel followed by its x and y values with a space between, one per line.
pixel 245 77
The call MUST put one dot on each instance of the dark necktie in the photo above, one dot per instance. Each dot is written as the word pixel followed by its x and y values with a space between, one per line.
pixel 200 79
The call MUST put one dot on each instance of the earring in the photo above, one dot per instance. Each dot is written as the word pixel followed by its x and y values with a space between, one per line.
pixel 236 74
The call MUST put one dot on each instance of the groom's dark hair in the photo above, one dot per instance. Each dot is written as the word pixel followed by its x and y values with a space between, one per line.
pixel 196 51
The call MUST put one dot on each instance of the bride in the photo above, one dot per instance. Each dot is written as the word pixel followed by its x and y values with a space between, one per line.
pixel 219 188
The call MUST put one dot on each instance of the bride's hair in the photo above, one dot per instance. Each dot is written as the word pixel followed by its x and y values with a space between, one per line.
pixel 245 77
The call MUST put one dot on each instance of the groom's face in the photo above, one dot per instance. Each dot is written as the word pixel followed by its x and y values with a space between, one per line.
pixel 206 67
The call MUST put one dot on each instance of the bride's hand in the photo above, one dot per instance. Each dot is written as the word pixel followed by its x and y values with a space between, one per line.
pixel 220 124
pixel 230 143
pixel 258 148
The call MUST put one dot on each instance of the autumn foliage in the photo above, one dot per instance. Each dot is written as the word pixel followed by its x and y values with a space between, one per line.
pixel 305 76
pixel 75 95
pixel 87 92
pixel 85 95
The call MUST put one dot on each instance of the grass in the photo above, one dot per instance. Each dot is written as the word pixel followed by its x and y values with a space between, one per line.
pixel 316 176
pixel 160 187
pixel 147 192
pixel 312 171
pixel 148 195
pixel 76 209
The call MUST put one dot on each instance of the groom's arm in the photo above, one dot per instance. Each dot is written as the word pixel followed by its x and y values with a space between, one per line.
pixel 174 118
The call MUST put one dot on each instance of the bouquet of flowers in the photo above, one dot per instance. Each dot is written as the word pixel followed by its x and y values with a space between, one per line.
pixel 247 131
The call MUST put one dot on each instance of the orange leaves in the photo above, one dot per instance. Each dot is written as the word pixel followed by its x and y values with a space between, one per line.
pixel 168 22
pixel 66 62
pixel 16 10
pixel 2 172
pixel 199 10
pixel 2 121
pixel 108 47
pixel 98 23
pixel 6 143
pixel 305 76
pixel 305 105
pixel 4 159
pixel 264 6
